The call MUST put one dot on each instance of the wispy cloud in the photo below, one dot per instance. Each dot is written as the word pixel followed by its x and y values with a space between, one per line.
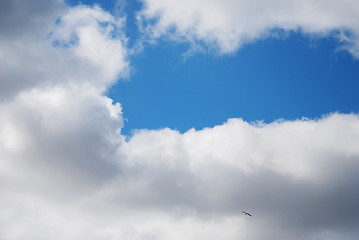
pixel 226 25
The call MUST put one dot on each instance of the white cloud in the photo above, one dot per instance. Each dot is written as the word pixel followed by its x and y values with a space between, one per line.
pixel 297 178
pixel 54 117
pixel 66 172
pixel 226 25
pixel 90 47
pixel 96 39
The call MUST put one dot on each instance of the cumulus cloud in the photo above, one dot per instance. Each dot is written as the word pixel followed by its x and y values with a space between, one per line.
pixel 227 25
pixel 85 45
pixel 66 172
pixel 297 178
pixel 59 134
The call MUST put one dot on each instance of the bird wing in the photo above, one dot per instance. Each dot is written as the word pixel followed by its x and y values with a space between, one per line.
pixel 246 213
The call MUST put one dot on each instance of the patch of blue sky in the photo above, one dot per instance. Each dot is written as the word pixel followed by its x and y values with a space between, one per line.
pixel 275 78
pixel 108 5
pixel 72 41
pixel 285 76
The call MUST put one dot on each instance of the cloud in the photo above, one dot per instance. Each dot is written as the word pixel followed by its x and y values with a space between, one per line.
pixel 85 46
pixel 59 134
pixel 54 116
pixel 297 178
pixel 66 172
pixel 24 27
pixel 276 169
pixel 226 25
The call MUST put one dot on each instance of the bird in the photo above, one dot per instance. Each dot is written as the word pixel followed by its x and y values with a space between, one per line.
pixel 246 213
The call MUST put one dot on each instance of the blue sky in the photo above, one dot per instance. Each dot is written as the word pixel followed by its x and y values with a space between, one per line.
pixel 270 79
pixel 286 77
pixel 157 119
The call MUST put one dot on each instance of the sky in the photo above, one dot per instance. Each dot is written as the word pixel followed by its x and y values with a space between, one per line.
pixel 159 119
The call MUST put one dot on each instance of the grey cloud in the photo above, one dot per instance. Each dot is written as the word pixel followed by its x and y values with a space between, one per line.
pixel 296 205
pixel 24 26
pixel 51 148
pixel 27 19
pixel 66 172
pixel 29 59
pixel 54 119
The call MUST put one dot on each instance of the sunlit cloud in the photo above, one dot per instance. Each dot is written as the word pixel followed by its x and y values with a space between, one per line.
pixel 67 172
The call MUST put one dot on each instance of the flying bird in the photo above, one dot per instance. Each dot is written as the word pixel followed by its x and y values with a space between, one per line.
pixel 246 213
